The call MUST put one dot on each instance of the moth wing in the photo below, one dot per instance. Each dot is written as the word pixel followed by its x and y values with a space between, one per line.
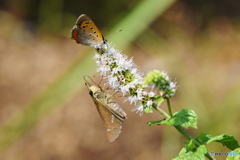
pixel 112 120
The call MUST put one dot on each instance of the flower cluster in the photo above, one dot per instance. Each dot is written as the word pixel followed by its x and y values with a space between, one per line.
pixel 162 82
pixel 124 76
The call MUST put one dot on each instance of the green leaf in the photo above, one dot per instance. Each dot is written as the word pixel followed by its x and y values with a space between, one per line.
pixel 204 138
pixel 160 100
pixel 226 140
pixel 196 154
pixel 151 123
pixel 186 118
pixel 148 109
pixel 158 97
pixel 234 155
pixel 190 145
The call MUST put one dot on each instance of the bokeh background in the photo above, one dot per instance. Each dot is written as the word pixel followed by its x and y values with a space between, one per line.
pixel 45 110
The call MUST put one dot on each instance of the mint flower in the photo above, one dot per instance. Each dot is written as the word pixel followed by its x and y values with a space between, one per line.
pixel 162 82
pixel 124 76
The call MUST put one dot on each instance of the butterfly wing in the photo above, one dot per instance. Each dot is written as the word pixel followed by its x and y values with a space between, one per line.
pixel 86 32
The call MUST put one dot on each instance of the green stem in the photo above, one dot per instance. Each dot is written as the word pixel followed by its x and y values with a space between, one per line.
pixel 162 112
pixel 189 137
pixel 179 128
pixel 169 107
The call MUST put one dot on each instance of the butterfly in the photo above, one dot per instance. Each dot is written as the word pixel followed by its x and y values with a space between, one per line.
pixel 86 33
pixel 110 112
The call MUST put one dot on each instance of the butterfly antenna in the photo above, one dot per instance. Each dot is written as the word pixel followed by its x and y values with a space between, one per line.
pixel 120 30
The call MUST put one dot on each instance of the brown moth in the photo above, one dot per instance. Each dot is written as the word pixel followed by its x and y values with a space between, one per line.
pixel 111 113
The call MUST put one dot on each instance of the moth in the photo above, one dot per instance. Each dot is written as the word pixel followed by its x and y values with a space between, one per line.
pixel 110 112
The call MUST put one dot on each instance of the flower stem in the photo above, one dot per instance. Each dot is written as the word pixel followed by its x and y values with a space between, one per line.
pixel 162 112
pixel 178 127
pixel 188 136
pixel 169 107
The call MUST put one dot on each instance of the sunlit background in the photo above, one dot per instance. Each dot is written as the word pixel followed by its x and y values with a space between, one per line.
pixel 45 110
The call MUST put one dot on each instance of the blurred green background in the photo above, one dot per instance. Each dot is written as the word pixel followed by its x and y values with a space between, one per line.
pixel 45 110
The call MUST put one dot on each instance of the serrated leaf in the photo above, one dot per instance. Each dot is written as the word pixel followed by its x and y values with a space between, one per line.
pixel 186 118
pixel 183 151
pixel 204 138
pixel 234 155
pixel 198 154
pixel 227 140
